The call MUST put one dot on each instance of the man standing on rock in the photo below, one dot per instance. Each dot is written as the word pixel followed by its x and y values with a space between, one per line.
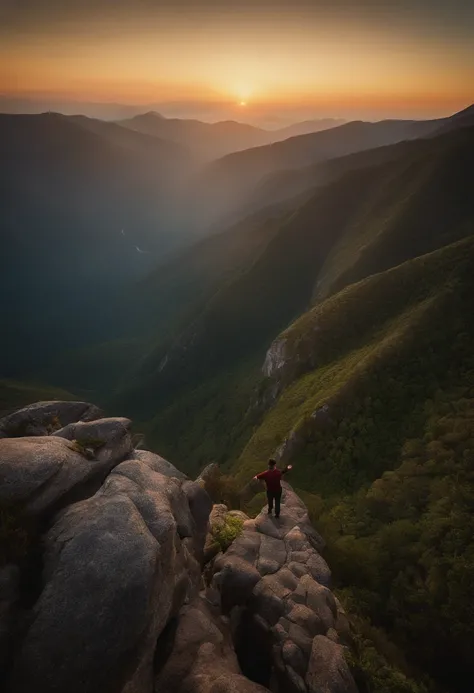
pixel 272 479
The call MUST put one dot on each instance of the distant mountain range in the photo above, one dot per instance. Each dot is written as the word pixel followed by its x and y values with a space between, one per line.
pixel 207 140
pixel 306 127
pixel 213 140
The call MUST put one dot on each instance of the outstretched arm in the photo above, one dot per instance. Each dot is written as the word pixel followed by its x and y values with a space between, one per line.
pixel 261 476
pixel 288 468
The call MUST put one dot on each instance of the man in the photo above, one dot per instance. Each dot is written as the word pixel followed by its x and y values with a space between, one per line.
pixel 272 479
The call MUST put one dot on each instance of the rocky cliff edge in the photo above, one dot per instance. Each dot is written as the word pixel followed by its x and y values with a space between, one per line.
pixel 106 587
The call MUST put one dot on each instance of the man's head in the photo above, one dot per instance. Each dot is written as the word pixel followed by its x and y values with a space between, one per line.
pixel 272 463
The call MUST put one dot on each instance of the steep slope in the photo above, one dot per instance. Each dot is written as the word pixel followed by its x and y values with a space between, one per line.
pixel 282 185
pixel 206 140
pixel 464 118
pixel 422 204
pixel 390 315
pixel 372 396
pixel 157 307
pixel 370 211
pixel 306 127
pixel 231 179
pixel 77 197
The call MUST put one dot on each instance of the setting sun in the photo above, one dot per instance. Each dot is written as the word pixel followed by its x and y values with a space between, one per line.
pixel 242 103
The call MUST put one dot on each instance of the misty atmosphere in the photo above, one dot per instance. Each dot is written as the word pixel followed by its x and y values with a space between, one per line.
pixel 237 347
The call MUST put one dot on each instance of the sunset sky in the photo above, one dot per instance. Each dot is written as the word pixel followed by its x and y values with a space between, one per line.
pixel 247 60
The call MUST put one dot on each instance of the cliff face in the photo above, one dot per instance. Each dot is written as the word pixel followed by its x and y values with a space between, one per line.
pixel 101 574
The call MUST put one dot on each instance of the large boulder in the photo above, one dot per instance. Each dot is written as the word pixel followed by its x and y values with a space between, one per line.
pixel 274 583
pixel 200 506
pixel 208 473
pixel 328 670
pixel 108 440
pixel 38 472
pixel 44 418
pixel 158 464
pixel 202 657
pixel 117 567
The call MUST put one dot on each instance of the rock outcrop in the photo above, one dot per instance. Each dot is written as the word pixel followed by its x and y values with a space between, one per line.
pixel 115 559
pixel 117 567
pixel 43 418
pixel 273 585
pixel 102 587
pixel 38 471
pixel 203 659
pixel 207 473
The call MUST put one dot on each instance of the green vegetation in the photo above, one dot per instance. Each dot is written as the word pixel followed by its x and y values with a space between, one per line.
pixel 403 546
pixel 382 347
pixel 247 285
pixel 223 488
pixel 415 205
pixel 226 533
pixel 378 666
pixel 387 470
pixel 208 422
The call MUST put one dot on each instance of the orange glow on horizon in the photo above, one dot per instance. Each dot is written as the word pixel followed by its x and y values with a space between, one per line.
pixel 274 61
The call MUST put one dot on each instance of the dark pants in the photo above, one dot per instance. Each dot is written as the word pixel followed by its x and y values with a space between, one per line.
pixel 274 496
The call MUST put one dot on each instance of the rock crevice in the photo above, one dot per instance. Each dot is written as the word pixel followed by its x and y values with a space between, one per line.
pixel 273 584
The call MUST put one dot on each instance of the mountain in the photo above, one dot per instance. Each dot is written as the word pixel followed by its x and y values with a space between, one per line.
pixel 213 140
pixel 306 127
pixel 366 221
pixel 282 186
pixel 206 140
pixel 36 105
pixel 375 410
pixel 87 207
pixel 225 185
pixel 464 118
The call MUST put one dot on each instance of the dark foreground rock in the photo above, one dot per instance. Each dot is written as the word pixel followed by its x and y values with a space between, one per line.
pixel 117 567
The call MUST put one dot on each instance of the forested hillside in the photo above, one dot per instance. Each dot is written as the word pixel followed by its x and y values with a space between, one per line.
pixel 364 222
pixel 376 413
pixel 224 186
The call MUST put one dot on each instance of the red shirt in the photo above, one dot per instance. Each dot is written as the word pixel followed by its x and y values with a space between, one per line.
pixel 272 479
